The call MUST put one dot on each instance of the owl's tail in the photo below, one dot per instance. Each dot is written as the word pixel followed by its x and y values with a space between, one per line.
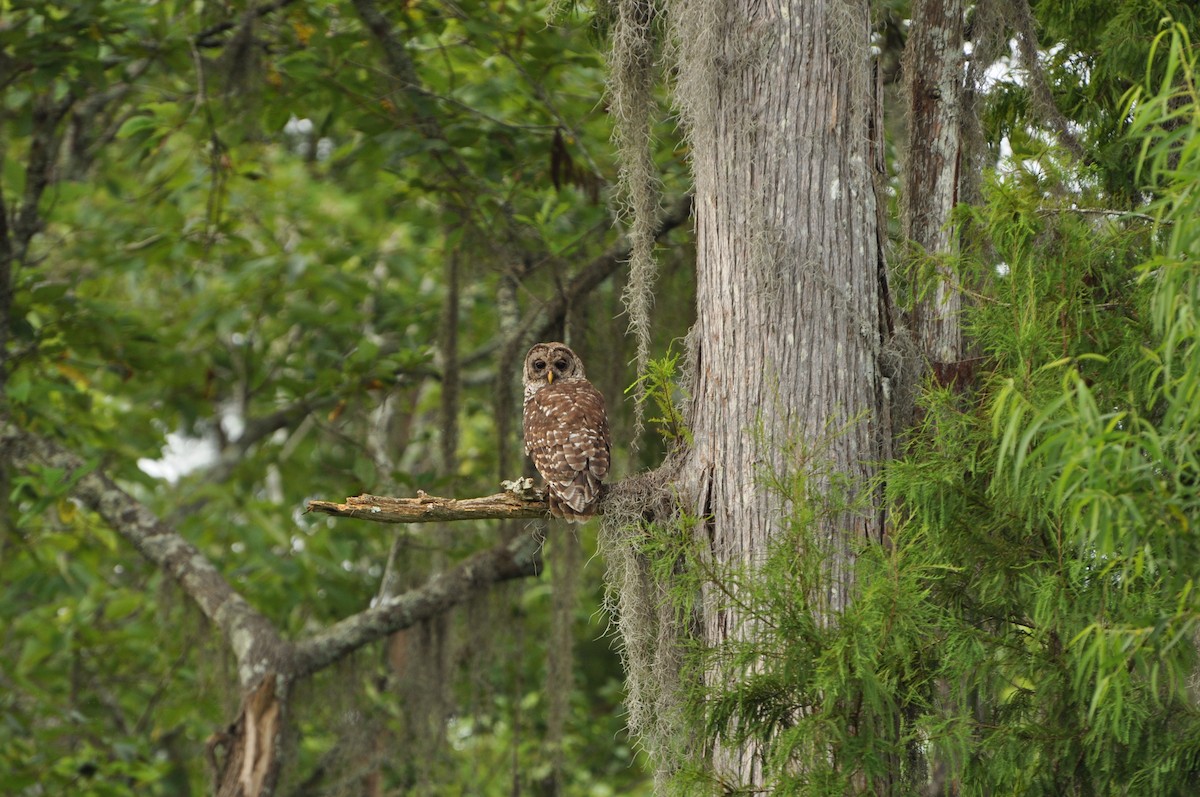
pixel 575 501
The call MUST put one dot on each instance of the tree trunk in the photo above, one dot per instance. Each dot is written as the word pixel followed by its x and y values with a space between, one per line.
pixel 933 61
pixel 251 744
pixel 934 79
pixel 778 102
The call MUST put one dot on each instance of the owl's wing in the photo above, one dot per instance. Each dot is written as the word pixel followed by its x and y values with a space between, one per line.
pixel 567 437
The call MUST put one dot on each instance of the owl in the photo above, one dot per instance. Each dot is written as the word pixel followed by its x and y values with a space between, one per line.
pixel 566 430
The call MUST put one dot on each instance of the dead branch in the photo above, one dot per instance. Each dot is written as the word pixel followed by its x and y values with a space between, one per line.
pixel 251 745
pixel 430 508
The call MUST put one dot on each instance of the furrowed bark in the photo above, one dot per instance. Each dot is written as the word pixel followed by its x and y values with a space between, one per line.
pixel 777 99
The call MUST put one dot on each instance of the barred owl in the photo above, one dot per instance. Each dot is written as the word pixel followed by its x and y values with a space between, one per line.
pixel 566 430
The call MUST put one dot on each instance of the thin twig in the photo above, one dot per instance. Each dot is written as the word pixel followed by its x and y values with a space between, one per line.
pixel 1125 214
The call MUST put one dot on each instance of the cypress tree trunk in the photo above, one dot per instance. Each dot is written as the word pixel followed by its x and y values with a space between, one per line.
pixel 934 78
pixel 777 98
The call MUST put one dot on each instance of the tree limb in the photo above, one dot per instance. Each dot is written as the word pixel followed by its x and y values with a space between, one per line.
pixel 1109 213
pixel 16 234
pixel 256 643
pixel 230 454
pixel 257 428
pixel 43 155
pixel 518 558
pixel 266 662
pixel 601 268
pixel 541 318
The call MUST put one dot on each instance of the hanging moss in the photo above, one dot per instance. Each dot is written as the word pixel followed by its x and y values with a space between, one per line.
pixel 632 79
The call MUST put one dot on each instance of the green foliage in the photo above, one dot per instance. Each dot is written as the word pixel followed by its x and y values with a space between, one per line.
pixel 1092 53
pixel 238 244
pixel 660 387
pixel 825 701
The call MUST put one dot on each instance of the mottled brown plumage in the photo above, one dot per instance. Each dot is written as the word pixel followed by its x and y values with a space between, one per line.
pixel 566 430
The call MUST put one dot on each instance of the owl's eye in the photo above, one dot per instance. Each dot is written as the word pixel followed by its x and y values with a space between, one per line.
pixel 539 365
pixel 561 365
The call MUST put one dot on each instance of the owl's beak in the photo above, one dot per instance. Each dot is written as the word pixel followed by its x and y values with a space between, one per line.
pixel 549 377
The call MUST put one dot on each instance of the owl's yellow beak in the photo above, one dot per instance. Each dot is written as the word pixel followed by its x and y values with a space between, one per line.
pixel 549 377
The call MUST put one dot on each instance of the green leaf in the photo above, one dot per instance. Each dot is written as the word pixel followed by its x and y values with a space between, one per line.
pixel 135 125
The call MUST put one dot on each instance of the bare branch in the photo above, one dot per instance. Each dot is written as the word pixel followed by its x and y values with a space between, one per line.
pixel 1109 213
pixel 518 558
pixel 603 267
pixel 430 509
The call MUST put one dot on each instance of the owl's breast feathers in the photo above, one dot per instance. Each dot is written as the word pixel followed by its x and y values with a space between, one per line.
pixel 567 437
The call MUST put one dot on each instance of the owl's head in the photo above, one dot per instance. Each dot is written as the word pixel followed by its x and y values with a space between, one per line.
pixel 547 363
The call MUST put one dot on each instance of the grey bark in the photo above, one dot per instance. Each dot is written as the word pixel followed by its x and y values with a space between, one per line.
pixel 251 636
pixel 933 63
pixel 519 558
pixel 778 101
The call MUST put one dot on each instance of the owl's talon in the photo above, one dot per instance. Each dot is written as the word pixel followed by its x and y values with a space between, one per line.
pixel 523 488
